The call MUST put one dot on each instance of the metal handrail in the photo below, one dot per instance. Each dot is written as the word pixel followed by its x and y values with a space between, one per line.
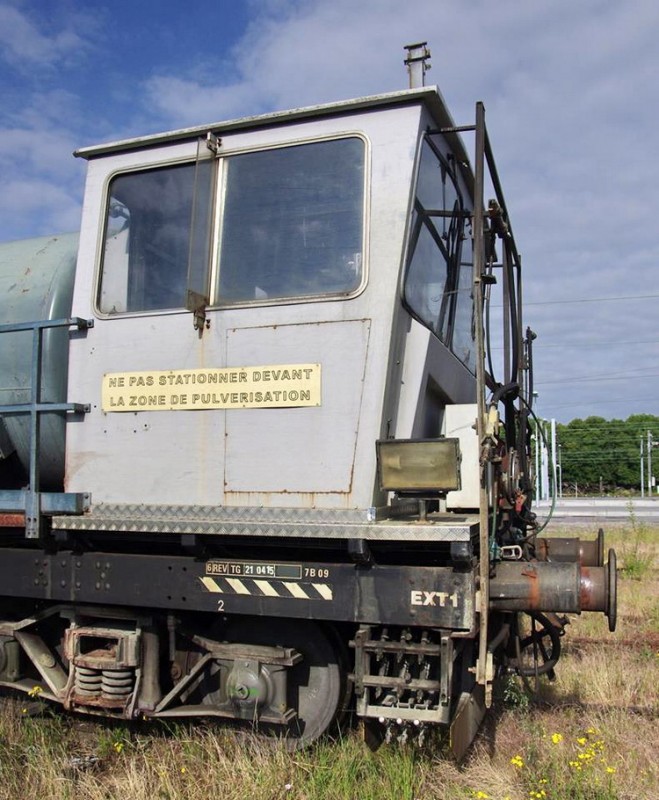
pixel 31 501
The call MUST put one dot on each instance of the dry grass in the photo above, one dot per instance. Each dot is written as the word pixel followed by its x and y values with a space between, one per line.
pixel 592 736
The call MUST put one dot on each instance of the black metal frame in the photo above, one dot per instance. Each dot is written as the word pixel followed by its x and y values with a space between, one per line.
pixel 439 597
pixel 497 214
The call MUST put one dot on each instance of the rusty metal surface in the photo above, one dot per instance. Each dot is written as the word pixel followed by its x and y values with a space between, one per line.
pixel 562 587
pixel 587 552
pixel 536 586
pixel 594 588
pixel 12 520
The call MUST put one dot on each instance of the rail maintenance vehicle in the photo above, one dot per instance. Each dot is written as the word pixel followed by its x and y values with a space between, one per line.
pixel 265 432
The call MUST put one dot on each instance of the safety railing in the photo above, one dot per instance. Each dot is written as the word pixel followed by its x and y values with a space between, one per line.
pixel 31 501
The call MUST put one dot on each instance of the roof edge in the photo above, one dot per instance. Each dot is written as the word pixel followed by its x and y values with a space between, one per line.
pixel 430 95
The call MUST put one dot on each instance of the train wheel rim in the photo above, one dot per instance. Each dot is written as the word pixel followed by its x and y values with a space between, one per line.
pixel 316 686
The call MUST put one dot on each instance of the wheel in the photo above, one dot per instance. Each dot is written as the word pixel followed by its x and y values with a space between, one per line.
pixel 316 686
pixel 537 645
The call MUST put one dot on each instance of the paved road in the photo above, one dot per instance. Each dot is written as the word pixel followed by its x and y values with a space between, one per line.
pixel 601 508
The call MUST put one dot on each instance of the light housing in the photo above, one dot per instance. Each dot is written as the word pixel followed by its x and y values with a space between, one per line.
pixel 419 466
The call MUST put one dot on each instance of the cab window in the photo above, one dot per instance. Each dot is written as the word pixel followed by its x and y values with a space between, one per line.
pixel 437 286
pixel 290 224
pixel 147 240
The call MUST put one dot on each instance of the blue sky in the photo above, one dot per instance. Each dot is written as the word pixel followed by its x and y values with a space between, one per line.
pixel 572 98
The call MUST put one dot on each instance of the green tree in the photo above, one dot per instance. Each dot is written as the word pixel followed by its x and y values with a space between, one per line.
pixel 596 449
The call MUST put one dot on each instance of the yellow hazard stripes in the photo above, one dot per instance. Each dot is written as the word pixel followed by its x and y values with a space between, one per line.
pixel 267 589
pixel 238 586
pixel 323 590
pixel 260 588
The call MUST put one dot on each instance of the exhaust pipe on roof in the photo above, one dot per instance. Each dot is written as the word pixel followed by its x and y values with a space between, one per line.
pixel 417 63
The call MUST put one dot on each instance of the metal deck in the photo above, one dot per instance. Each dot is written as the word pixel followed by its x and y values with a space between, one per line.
pixel 271 522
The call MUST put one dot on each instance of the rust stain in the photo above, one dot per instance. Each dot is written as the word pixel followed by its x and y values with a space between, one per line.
pixel 83 701
pixel 12 520
pixel 593 591
pixel 532 586
pixel 585 589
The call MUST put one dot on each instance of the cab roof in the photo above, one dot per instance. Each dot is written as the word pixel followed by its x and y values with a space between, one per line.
pixel 430 96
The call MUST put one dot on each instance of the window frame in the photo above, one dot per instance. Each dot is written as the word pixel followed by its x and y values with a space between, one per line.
pixel 415 226
pixel 213 267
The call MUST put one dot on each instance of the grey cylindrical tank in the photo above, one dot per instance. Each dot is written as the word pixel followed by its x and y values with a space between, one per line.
pixel 36 283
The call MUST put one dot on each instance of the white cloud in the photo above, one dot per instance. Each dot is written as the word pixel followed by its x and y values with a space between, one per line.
pixel 44 206
pixel 23 44
pixel 40 183
pixel 46 156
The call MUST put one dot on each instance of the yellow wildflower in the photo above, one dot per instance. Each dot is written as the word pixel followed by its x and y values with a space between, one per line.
pixel 183 770
pixel 582 740
pixel 557 738
pixel 517 761
pixel 610 770
pixel 35 691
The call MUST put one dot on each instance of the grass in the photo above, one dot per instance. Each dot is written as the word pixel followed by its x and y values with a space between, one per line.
pixel 591 735
pixel 636 548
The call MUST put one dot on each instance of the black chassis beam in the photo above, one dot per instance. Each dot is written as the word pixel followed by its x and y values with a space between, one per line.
pixel 438 597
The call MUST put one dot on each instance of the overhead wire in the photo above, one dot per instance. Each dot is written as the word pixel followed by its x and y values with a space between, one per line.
pixel 606 402
pixel 591 300
pixel 571 344
pixel 617 376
